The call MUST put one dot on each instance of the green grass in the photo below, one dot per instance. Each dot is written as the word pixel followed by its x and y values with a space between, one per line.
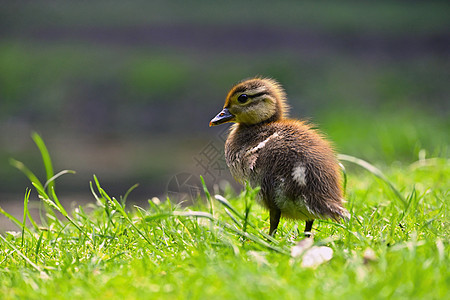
pixel 218 248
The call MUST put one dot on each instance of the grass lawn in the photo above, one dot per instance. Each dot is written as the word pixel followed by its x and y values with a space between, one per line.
pixel 395 245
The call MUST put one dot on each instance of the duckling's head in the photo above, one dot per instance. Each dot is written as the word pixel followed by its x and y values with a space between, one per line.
pixel 253 101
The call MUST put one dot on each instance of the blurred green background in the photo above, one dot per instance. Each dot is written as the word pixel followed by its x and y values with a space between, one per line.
pixel 125 89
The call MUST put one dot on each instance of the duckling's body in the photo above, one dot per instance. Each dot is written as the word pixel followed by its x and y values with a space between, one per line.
pixel 295 166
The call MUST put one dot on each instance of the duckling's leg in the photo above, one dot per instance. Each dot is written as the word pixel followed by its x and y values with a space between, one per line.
pixel 275 215
pixel 308 228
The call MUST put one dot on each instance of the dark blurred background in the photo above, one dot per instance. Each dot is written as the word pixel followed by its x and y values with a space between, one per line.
pixel 125 89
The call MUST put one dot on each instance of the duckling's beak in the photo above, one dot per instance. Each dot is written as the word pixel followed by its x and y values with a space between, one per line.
pixel 223 117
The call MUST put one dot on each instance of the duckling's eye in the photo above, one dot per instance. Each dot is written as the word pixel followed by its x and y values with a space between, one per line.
pixel 242 98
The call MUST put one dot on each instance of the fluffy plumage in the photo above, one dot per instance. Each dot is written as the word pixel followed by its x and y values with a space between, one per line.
pixel 293 164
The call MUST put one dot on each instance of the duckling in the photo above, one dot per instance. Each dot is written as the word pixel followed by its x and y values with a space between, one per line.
pixel 293 164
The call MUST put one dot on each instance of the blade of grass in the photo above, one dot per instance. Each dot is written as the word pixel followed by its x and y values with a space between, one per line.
pixel 101 203
pixel 157 216
pixel 124 198
pixel 232 217
pixel 375 171
pixel 61 208
pixel 344 183
pixel 142 213
pixel 125 215
pixel 208 196
pixel 45 157
pixel 58 175
pixel 411 196
pixel 30 175
pixel 41 191
pixel 25 211
pixel 35 225
pixel 38 246
pixel 228 205
pixel 13 219
pixel 248 196
pixel 50 205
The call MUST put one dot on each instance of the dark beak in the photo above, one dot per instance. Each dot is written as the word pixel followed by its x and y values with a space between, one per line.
pixel 223 117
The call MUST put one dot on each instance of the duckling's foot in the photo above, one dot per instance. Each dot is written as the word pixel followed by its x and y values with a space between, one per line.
pixel 308 228
pixel 308 234
pixel 275 215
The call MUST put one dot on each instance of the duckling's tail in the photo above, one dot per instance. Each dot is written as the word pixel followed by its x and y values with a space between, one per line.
pixel 339 213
